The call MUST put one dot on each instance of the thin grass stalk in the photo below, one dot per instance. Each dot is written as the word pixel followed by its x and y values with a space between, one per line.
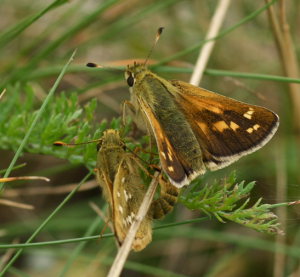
pixel 281 191
pixel 206 50
pixel 286 50
pixel 124 250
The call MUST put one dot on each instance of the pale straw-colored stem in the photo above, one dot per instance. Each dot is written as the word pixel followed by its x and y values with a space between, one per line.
pixel 286 49
pixel 20 178
pixel 206 50
pixel 64 189
pixel 124 250
pixel 14 204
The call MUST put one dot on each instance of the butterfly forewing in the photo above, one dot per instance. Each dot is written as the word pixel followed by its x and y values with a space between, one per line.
pixel 225 128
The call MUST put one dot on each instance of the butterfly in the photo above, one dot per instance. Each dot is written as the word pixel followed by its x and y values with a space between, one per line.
pixel 118 173
pixel 195 129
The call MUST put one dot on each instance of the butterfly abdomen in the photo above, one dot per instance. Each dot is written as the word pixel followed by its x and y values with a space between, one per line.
pixel 166 202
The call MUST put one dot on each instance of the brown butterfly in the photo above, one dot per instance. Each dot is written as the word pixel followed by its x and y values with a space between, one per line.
pixel 196 129
pixel 118 173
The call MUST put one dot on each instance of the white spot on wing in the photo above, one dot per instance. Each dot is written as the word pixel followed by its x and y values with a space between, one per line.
pixel 129 219
pixel 233 125
pixel 170 157
pixel 249 113
pixel 125 194
pixel 163 154
pixel 249 130
pixel 132 215
pixel 171 168
pixel 256 126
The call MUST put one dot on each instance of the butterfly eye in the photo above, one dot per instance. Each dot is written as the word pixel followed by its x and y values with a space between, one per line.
pixel 130 80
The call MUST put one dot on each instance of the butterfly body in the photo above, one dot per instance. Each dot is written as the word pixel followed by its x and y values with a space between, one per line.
pixel 196 129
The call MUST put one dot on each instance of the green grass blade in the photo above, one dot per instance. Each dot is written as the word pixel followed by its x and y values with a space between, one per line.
pixel 34 122
pixel 15 30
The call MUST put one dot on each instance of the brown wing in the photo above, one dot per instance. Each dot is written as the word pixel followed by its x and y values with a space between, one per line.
pixel 226 129
pixel 178 172
pixel 128 194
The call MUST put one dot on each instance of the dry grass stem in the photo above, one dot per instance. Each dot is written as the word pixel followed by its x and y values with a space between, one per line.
pixel 124 250
pixel 7 255
pixel 14 204
pixel 49 190
pixel 99 212
pixel 287 54
pixel 206 50
pixel 10 179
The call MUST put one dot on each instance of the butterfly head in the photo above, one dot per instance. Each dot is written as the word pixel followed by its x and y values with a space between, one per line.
pixel 134 73
pixel 110 138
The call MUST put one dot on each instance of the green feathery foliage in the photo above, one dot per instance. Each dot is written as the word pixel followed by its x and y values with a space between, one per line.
pixel 224 200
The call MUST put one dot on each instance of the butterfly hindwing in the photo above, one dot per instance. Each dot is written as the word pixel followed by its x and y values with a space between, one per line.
pixel 128 194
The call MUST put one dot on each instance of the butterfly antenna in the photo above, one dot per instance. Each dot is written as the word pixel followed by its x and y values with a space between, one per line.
pixel 158 33
pixel 90 64
pixel 9 179
pixel 61 143
pixel 94 65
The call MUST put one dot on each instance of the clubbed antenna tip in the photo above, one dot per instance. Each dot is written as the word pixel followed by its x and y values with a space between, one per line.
pixel 61 143
pixel 158 33
pixel 92 65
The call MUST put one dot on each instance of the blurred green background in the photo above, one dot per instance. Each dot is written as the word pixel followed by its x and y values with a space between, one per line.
pixel 38 37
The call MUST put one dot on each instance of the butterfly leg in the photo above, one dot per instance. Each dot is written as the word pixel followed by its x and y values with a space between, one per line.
pixel 106 219
pixel 166 202
pixel 127 108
